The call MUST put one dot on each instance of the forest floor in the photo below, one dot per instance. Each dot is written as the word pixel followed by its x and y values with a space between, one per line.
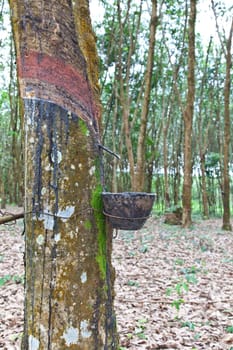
pixel 174 286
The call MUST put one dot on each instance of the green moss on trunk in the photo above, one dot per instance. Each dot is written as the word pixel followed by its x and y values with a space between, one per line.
pixel 97 205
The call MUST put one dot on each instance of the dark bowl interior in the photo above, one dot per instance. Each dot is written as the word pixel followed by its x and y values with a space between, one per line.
pixel 127 210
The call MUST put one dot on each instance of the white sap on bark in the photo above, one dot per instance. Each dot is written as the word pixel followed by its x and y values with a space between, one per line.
pixel 33 343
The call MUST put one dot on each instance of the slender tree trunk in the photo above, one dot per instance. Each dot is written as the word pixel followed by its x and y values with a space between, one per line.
pixel 136 162
pixel 69 276
pixel 202 134
pixel 165 161
pixel 204 188
pixel 227 135
pixel 155 135
pixel 114 184
pixel 3 195
pixel 139 179
pixel 16 139
pixel 188 119
pixel 177 167
pixel 124 88
pixel 149 176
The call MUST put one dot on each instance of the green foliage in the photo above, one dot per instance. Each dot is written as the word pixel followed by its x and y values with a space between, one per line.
pixel 4 280
pixel 190 274
pixel 141 328
pixel 182 287
pixel 13 278
pixel 179 262
pixel 177 303
pixel 143 249
pixel 87 224
pixel 229 329
pixel 212 164
pixel 133 283
pixel 189 325
pixel 83 127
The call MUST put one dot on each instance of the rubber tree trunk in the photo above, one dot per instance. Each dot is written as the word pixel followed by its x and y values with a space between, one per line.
pixel 136 164
pixel 139 176
pixel 69 276
pixel 204 188
pixel 226 45
pixel 188 119
pixel 226 225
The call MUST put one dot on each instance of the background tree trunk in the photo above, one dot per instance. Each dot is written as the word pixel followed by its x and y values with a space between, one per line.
pixel 166 123
pixel 204 188
pixel 69 276
pixel 139 178
pixel 227 135
pixel 188 119
pixel 226 44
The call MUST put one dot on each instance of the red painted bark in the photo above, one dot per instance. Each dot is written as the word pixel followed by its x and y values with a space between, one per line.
pixel 42 73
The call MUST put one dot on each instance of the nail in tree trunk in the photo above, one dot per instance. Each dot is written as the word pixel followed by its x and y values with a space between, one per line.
pixel 69 276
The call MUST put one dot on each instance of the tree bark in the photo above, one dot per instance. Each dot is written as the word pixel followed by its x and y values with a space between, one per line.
pixel 188 119
pixel 227 136
pixel 69 277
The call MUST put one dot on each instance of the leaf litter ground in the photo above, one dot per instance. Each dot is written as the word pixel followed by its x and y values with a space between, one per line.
pixel 174 286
